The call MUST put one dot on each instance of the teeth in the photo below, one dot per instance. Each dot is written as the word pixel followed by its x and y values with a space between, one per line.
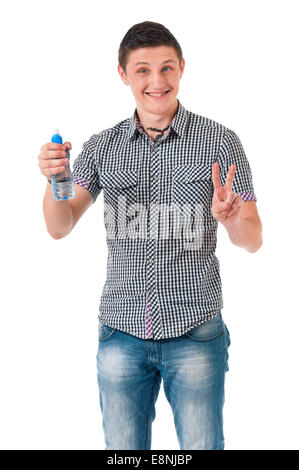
pixel 157 94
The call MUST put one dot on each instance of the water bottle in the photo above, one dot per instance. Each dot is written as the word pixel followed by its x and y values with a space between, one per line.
pixel 63 186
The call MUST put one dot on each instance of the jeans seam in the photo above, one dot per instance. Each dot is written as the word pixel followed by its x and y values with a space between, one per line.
pixel 224 372
pixel 147 428
pixel 223 362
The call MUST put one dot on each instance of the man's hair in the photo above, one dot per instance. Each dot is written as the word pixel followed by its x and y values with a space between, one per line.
pixel 146 34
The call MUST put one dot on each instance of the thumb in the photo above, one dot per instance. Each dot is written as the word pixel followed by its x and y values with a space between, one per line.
pixel 68 145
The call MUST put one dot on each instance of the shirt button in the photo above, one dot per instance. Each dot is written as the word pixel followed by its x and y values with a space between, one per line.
pixel 154 177
pixel 151 289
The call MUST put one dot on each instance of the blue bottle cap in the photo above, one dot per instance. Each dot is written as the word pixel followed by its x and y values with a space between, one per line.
pixel 56 137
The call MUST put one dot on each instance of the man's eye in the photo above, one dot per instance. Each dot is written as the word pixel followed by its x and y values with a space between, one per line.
pixel 144 70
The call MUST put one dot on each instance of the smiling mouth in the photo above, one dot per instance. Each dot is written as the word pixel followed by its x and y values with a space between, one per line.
pixel 156 95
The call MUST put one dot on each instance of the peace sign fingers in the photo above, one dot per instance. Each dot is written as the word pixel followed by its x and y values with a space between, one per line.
pixel 226 205
pixel 230 177
pixel 215 176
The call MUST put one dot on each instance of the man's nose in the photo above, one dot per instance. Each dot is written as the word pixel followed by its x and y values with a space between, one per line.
pixel 158 82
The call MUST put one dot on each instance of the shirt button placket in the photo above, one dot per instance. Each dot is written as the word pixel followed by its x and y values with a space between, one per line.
pixel 153 310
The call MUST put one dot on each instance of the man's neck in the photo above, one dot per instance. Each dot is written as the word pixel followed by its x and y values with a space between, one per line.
pixel 156 121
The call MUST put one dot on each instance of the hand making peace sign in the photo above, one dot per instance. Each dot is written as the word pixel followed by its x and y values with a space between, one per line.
pixel 226 205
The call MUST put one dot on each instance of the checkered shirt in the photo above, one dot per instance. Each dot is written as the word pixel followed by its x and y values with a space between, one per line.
pixel 163 276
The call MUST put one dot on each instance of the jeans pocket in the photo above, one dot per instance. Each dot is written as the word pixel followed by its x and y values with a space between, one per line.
pixel 207 331
pixel 105 332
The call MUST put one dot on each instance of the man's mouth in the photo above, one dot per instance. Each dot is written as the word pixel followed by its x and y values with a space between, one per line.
pixel 155 94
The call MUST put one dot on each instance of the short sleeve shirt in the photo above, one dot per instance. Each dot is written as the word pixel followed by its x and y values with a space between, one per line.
pixel 163 276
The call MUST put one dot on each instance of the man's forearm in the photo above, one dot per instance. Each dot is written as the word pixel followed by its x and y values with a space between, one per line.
pixel 245 233
pixel 58 215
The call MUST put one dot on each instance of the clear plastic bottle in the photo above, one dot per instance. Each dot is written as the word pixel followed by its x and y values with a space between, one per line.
pixel 63 186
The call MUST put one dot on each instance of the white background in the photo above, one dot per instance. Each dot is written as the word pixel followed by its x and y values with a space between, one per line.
pixel 59 70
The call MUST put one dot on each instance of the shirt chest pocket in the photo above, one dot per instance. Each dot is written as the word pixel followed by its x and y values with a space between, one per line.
pixel 119 187
pixel 191 184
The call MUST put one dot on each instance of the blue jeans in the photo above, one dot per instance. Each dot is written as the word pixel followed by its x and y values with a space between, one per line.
pixel 193 366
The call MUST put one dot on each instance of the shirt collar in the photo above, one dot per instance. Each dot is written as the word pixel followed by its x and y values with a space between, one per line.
pixel 178 123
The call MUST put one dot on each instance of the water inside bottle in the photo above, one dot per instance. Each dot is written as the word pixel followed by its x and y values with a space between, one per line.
pixel 64 188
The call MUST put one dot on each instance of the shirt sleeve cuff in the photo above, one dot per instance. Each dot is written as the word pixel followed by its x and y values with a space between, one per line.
pixel 91 188
pixel 248 196
pixel 81 181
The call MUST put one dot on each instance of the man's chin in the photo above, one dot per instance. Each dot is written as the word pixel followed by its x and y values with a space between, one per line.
pixel 157 105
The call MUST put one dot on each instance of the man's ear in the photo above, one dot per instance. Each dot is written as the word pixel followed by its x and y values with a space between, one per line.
pixel 122 75
pixel 182 67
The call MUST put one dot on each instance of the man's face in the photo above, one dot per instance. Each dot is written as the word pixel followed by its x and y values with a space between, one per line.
pixel 153 70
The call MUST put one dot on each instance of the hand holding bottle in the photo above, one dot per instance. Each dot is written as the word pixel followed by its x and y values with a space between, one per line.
pixel 60 173
pixel 53 158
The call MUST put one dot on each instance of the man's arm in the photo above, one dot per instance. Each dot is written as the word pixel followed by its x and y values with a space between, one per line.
pixel 240 218
pixel 62 216
pixel 246 230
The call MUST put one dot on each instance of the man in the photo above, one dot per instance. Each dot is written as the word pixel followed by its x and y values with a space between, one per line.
pixel 168 177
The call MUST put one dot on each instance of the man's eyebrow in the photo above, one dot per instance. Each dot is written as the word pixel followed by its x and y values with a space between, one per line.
pixel 146 63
